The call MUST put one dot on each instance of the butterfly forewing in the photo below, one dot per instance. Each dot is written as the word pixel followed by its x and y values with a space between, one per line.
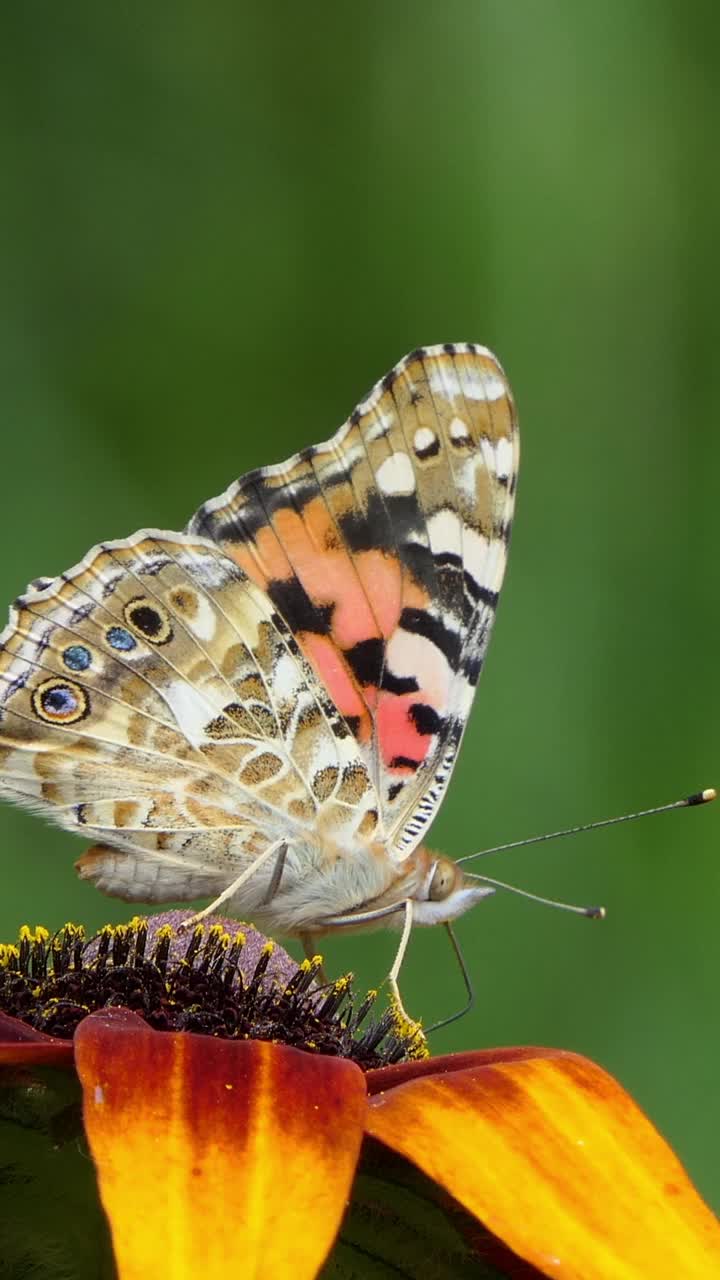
pixel 384 550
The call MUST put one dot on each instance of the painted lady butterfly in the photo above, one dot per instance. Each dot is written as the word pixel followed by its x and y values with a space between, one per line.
pixel 267 707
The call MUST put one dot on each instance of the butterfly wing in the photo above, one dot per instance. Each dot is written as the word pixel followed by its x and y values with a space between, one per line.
pixel 299 665
pixel 154 700
pixel 384 551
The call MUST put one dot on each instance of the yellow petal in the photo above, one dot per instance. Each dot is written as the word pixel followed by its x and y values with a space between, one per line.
pixel 217 1157
pixel 556 1159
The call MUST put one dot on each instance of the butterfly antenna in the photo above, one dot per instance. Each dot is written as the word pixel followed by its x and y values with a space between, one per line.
pixel 698 797
pixel 592 913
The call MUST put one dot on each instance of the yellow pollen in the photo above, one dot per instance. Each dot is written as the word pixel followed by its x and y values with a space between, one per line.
pixel 8 954
pixel 409 1031
pixel 71 932
pixel 38 934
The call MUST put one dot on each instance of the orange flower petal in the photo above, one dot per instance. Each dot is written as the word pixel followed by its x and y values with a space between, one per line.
pixel 217 1157
pixel 558 1161
pixel 23 1046
pixel 382 1078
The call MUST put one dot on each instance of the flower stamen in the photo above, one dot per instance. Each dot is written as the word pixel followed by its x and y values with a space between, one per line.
pixel 213 980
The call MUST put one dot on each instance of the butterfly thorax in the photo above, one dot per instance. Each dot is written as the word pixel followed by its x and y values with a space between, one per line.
pixel 322 880
pixel 362 882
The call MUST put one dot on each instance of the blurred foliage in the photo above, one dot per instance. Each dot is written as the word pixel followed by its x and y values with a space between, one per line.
pixel 51 1221
pixel 219 225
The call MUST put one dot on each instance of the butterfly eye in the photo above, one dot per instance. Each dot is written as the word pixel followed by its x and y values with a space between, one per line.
pixel 60 702
pixel 149 618
pixel 444 879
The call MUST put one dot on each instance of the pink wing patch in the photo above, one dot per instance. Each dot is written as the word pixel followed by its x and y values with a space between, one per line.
pixel 402 745
pixel 360 598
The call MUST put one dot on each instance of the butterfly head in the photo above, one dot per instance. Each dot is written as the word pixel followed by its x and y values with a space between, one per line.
pixel 445 892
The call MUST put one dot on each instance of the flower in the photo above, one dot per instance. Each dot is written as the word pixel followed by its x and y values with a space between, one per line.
pixel 216 1152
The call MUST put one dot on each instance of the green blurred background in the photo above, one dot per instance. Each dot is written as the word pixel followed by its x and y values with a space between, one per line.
pixel 219 225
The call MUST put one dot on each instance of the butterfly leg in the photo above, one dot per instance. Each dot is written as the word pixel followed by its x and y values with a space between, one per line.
pixel 394 973
pixel 277 875
pixel 233 888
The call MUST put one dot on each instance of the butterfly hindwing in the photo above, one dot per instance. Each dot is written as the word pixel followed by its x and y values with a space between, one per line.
pixel 153 699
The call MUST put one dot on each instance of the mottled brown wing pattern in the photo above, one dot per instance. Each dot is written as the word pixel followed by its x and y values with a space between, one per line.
pixel 384 551
pixel 153 699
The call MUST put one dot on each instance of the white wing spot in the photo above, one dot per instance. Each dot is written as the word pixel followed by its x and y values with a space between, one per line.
pixel 190 708
pixel 484 559
pixel 476 550
pixel 396 475
pixel 424 439
pixel 459 431
pixel 287 679
pixel 204 623
pixel 414 655
pixel 445 532
pixel 494 387
pixel 462 382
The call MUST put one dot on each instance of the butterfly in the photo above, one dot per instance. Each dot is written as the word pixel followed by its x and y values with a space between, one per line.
pixel 266 708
